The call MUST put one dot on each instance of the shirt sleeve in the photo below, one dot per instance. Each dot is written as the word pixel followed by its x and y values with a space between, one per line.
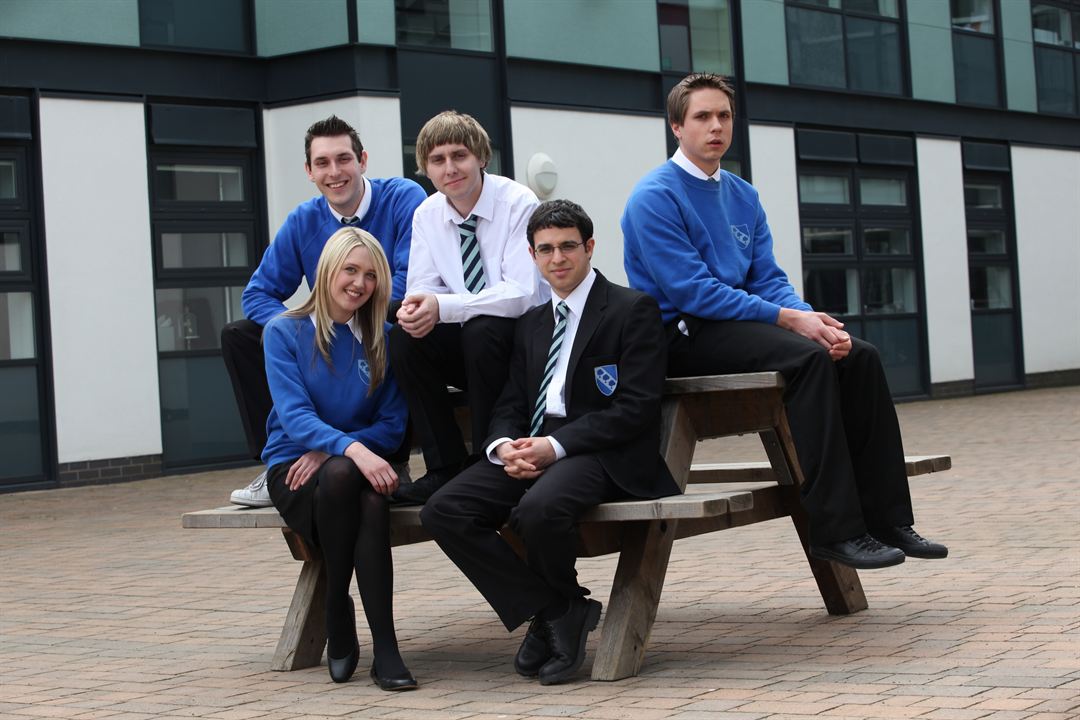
pixel 423 276
pixel 519 288
pixel 410 197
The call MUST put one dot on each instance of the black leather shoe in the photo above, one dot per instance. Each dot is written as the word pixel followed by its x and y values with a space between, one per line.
pixel 341 669
pixel 418 492
pixel 566 638
pixel 912 543
pixel 534 650
pixel 862 553
pixel 396 683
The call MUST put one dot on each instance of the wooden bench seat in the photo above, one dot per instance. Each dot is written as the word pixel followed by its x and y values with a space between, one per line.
pixel 640 531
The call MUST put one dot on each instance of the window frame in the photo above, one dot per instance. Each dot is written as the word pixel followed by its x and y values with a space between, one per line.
pixel 1072 51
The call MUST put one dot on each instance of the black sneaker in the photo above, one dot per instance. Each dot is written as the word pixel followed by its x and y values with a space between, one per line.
pixel 418 492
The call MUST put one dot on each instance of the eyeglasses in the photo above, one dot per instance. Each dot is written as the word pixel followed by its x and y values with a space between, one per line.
pixel 565 248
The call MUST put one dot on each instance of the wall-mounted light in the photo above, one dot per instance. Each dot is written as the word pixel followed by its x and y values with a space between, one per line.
pixel 542 175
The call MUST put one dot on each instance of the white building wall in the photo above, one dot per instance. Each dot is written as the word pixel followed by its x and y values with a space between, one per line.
pixel 378 123
pixel 599 158
pixel 1046 190
pixel 772 153
pixel 100 279
pixel 945 259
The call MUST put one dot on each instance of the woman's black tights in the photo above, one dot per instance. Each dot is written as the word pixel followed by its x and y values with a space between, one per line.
pixel 353 524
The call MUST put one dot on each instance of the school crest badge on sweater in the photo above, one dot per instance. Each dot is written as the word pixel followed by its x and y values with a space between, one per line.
pixel 364 370
pixel 607 379
pixel 741 235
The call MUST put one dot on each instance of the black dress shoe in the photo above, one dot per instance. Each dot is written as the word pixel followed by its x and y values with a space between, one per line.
pixel 862 553
pixel 341 669
pixel 534 650
pixel 418 492
pixel 912 543
pixel 566 638
pixel 394 683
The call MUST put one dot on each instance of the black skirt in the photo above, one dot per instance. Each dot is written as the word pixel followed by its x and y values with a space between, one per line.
pixel 297 507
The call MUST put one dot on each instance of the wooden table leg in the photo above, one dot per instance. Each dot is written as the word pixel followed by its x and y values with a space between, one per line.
pixel 303 638
pixel 635 595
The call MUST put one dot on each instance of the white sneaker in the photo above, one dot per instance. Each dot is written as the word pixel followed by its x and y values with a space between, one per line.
pixel 254 495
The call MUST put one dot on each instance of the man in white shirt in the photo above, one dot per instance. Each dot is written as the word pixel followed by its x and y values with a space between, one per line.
pixel 469 278
pixel 577 425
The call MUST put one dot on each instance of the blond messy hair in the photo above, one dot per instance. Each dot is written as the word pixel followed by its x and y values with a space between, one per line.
pixel 452 128
pixel 369 317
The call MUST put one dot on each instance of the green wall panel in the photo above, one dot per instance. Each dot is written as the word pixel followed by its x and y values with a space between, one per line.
pixel 1020 87
pixel 930 43
pixel 764 41
pixel 108 22
pixel 297 25
pixel 375 19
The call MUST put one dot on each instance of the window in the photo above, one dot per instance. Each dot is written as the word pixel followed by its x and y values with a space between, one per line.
pixel 975 53
pixel 995 329
pixel 1055 28
pixel 204 248
pixel 859 244
pixel 457 24
pixel 23 412
pixel 695 36
pixel 218 25
pixel 852 44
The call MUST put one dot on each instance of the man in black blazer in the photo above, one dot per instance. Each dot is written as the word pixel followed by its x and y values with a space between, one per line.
pixel 578 424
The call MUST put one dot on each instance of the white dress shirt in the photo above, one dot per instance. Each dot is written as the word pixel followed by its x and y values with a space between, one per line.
pixel 365 204
pixel 513 283
pixel 684 162
pixel 556 391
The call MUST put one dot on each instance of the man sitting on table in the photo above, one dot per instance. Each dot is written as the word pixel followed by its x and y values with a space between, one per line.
pixel 577 425
pixel 697 240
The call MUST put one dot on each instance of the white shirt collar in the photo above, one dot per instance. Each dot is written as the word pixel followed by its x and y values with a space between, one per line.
pixel 365 202
pixel 577 297
pixel 684 162
pixel 352 326
pixel 484 208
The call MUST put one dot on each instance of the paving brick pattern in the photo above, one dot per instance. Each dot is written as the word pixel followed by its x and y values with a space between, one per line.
pixel 108 609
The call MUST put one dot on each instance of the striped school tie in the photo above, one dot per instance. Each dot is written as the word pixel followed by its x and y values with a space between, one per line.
pixel 549 370
pixel 471 265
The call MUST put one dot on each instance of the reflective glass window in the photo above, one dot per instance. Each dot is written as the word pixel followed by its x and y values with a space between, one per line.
pixel 200 183
pixel 458 24
pixel 8 186
pixel 695 35
pixel 194 392
pixel 885 8
pixel 976 69
pixel 832 290
pixel 983 241
pixel 203 250
pixel 974 15
pixel 20 416
pixel 883 191
pixel 994 343
pixel 199 24
pixel 898 343
pixel 815 48
pixel 1055 79
pixel 192 318
pixel 10 252
pixel 17 326
pixel 828 240
pixel 873 56
pixel 889 291
pixel 982 196
pixel 1051 24
pixel 824 189
pixel 991 287
pixel 887 241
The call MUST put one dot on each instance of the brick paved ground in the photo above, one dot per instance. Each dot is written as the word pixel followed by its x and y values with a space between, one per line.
pixel 109 610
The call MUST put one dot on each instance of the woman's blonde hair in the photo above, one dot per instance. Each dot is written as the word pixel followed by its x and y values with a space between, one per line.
pixel 369 317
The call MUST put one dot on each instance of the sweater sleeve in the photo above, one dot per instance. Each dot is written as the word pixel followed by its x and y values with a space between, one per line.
pixel 292 402
pixel 278 275
pixel 659 232
pixel 766 279
pixel 408 197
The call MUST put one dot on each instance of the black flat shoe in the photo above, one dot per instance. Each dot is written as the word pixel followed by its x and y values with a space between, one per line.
pixel 394 684
pixel 534 651
pixel 862 553
pixel 341 669
pixel 418 492
pixel 566 638
pixel 912 543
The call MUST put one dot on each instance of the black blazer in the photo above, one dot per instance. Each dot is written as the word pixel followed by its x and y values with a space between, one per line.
pixel 619 327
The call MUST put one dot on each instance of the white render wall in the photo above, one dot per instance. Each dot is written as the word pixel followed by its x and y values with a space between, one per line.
pixel 945 259
pixel 599 158
pixel 772 157
pixel 100 279
pixel 1046 190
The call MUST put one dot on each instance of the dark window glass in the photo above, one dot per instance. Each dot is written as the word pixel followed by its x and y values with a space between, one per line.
pixel 885 8
pixel 1051 24
pixel 832 290
pixel 991 287
pixel 1055 79
pixel 695 36
pixel 897 340
pixel 20 423
pixel 10 252
pixel 17 326
pixel 873 56
pixel 203 250
pixel 199 24
pixel 824 189
pixel 883 191
pixel 974 15
pixel 986 241
pixel 828 241
pixel 889 291
pixel 194 391
pixel 887 241
pixel 8 186
pixel 982 196
pixel 187 182
pixel 976 67
pixel 994 342
pixel 192 318
pixel 458 24
pixel 815 48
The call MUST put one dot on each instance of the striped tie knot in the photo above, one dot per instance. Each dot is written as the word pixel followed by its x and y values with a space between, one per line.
pixel 557 335
pixel 350 220
pixel 471 266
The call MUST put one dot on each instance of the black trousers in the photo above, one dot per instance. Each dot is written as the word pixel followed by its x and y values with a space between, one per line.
pixel 241 349
pixel 474 357
pixel 465 515
pixel 841 414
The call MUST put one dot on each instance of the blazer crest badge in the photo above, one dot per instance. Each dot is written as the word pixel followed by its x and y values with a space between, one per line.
pixel 607 379
pixel 741 234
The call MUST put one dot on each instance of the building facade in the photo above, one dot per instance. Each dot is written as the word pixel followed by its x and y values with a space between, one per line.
pixel 919 161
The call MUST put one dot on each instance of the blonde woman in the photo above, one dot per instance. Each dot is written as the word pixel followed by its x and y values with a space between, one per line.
pixel 337 414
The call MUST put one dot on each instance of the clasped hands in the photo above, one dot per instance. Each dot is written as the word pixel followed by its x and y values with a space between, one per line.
pixel 526 458
pixel 375 469
pixel 823 329
pixel 418 314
